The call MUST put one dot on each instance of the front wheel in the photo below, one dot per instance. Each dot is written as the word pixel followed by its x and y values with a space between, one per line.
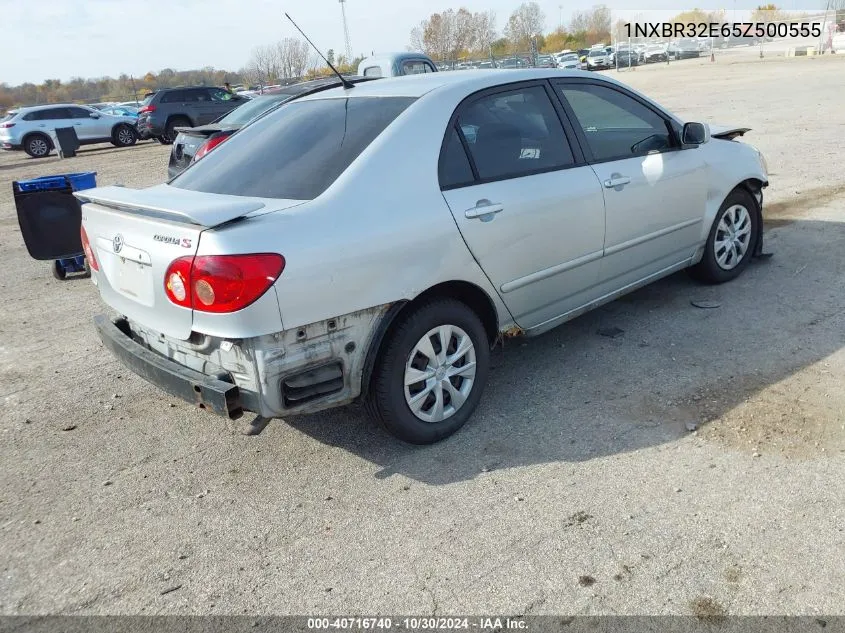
pixel 431 372
pixel 732 239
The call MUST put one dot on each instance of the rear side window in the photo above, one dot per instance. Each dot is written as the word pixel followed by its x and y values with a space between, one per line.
pixel 416 67
pixel 53 114
pixel 514 133
pixel 175 96
pixel 296 152
pixel 454 168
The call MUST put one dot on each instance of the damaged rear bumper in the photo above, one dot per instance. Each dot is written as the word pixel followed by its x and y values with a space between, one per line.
pixel 218 394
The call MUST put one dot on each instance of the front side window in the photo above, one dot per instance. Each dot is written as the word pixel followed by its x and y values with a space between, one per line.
pixel 514 133
pixel 220 95
pixel 295 152
pixel 80 113
pixel 616 126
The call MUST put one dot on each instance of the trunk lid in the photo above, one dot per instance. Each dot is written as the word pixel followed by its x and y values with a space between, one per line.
pixel 136 235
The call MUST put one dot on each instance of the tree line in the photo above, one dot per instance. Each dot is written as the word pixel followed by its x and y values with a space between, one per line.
pixel 456 34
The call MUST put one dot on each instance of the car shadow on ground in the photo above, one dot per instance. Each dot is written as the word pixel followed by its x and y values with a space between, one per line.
pixel 575 394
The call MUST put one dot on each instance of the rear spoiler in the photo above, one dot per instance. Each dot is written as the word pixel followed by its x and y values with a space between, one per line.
pixel 172 204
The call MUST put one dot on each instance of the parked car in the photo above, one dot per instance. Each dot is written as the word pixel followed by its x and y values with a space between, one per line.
pixel 569 61
pixel 546 61
pixel 396 65
pixel 655 53
pixel 598 59
pixel 311 260
pixel 29 129
pixel 122 111
pixel 193 143
pixel 683 49
pixel 164 110
pixel 626 58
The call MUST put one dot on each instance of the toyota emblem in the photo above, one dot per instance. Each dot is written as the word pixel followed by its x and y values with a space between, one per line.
pixel 117 243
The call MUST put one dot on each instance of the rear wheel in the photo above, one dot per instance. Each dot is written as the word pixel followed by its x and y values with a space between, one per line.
pixel 172 124
pixel 123 135
pixel 37 145
pixel 733 236
pixel 430 374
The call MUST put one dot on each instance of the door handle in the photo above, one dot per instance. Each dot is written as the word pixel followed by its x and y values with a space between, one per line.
pixel 483 208
pixel 616 180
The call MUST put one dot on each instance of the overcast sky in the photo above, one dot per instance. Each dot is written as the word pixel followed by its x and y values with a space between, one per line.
pixel 60 39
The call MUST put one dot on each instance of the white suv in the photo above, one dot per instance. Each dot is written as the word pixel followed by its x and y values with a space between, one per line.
pixel 31 129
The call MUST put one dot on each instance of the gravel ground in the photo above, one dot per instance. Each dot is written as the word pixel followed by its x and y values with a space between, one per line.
pixel 693 465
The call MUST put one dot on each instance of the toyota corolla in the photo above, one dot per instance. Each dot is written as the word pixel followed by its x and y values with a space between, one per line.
pixel 374 242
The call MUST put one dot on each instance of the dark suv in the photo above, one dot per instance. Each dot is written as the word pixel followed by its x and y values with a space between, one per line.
pixel 165 110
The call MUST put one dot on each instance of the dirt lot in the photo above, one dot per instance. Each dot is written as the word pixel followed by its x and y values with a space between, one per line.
pixel 578 487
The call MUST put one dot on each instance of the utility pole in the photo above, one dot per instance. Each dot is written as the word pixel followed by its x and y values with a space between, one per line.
pixel 346 32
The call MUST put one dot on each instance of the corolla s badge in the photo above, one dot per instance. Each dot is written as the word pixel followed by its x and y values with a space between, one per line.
pixel 117 243
pixel 184 242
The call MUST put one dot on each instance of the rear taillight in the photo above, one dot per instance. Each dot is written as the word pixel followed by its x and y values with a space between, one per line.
pixel 146 108
pixel 89 252
pixel 209 145
pixel 177 281
pixel 221 283
pixel 6 125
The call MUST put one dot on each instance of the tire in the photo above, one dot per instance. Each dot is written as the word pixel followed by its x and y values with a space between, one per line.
pixel 161 140
pixel 123 135
pixel 732 240
pixel 38 145
pixel 57 270
pixel 170 132
pixel 389 399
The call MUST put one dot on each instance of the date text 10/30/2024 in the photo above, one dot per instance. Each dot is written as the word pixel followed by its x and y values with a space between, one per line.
pixel 417 624
pixel 750 30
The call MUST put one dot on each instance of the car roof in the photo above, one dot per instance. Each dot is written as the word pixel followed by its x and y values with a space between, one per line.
pixel 393 57
pixel 421 84
pixel 47 106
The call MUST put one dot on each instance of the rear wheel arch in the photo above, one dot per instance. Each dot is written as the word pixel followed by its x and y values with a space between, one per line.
pixel 467 293
pixel 30 135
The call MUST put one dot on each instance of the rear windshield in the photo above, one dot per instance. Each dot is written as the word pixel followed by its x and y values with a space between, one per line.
pixel 296 152
pixel 148 99
pixel 248 111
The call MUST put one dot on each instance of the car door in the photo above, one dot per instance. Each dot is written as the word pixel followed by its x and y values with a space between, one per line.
pixel 529 209
pixel 654 191
pixel 88 127
pixel 53 118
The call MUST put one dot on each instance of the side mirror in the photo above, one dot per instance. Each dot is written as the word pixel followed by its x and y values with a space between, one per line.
pixel 94 115
pixel 695 134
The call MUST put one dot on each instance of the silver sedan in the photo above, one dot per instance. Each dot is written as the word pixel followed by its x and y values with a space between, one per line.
pixel 373 243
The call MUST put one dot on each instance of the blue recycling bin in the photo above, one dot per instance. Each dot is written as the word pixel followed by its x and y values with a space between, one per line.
pixel 50 218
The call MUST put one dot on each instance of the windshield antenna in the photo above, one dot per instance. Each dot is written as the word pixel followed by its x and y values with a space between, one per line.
pixel 346 83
